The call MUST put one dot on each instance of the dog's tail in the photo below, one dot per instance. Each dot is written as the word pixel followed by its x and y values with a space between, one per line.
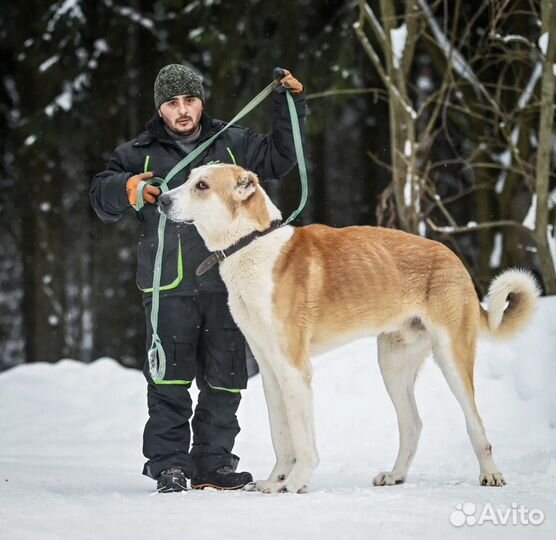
pixel 511 300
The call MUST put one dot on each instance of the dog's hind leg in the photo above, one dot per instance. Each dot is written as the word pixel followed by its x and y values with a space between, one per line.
pixel 399 363
pixel 455 354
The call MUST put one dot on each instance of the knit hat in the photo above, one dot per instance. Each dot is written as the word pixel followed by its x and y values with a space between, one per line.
pixel 177 80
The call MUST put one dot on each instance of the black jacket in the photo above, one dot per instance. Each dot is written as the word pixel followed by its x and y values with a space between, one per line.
pixel 269 156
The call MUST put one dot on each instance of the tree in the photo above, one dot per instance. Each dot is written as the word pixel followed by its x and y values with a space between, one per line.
pixel 463 129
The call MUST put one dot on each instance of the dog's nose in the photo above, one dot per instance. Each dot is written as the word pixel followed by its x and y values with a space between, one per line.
pixel 164 201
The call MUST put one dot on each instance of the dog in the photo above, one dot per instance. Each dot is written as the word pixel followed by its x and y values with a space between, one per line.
pixel 297 291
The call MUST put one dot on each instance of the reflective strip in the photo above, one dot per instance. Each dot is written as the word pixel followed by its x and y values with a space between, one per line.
pixel 179 277
pixel 233 390
pixel 231 155
pixel 162 381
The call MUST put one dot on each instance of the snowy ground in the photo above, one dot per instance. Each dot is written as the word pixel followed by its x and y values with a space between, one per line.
pixel 70 454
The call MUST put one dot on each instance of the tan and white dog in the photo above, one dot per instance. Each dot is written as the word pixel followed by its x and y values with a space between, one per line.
pixel 299 291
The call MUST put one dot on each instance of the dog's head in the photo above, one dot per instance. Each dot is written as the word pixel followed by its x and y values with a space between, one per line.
pixel 224 202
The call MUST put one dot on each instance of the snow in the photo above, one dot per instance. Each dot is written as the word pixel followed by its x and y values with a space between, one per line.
pixel 64 100
pixel 101 46
pixel 505 159
pixel 552 199
pixel 136 17
pixel 398 37
pixel 195 33
pixel 528 92
pixel 425 83
pixel 70 8
pixel 70 457
pixel 49 62
pixel 513 37
pixel 422 229
pixel 543 46
pixel 496 251
pixel 543 42
pixel 530 218
pixel 550 232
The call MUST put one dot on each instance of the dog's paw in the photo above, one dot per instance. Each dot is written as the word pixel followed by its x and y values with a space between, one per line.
pixel 268 486
pixel 492 479
pixel 388 479
pixel 295 487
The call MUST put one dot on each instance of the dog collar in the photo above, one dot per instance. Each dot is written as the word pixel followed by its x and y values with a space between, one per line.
pixel 221 254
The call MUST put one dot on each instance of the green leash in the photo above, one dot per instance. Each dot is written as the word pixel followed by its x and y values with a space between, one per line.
pixel 156 356
pixel 300 159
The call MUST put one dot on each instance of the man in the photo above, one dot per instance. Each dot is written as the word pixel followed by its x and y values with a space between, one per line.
pixel 198 334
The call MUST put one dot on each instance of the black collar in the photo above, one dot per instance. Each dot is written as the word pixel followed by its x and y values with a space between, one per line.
pixel 220 255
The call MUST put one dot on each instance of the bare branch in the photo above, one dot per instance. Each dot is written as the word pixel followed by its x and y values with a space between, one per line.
pixel 379 93
pixel 379 161
pixel 375 25
pixel 472 226
pixel 455 59
pixel 380 69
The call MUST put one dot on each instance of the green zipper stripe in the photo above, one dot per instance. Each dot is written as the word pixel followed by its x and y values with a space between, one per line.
pixel 177 381
pixel 231 155
pixel 233 390
pixel 176 281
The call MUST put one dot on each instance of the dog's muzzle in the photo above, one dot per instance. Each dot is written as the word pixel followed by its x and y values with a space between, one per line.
pixel 164 203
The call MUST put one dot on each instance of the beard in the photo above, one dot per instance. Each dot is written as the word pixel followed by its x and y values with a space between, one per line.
pixel 186 131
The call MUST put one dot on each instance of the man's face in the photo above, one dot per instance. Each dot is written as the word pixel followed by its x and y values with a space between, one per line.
pixel 182 114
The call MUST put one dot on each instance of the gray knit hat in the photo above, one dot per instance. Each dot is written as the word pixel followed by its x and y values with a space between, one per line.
pixel 177 80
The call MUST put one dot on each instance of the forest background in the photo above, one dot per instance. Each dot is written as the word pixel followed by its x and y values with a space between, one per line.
pixel 433 116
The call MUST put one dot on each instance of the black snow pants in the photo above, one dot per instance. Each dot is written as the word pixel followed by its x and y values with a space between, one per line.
pixel 202 342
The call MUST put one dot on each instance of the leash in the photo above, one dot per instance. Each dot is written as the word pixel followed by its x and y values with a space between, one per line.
pixel 155 355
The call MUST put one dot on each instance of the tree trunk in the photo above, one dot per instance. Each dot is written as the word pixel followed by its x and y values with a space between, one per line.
pixel 545 146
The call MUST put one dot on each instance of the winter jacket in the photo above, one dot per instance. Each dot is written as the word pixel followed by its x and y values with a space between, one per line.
pixel 269 156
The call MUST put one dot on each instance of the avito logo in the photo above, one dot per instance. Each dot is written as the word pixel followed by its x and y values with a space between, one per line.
pixel 518 514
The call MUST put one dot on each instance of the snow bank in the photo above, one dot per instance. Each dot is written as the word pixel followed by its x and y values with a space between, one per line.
pixel 70 453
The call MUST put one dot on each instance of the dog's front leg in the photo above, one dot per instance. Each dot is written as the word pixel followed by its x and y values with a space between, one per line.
pixel 279 429
pixel 297 399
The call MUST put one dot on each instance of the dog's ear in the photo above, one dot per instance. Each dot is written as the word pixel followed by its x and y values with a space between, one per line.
pixel 246 185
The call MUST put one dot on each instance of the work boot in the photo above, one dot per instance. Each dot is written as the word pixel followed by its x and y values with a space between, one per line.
pixel 171 480
pixel 223 478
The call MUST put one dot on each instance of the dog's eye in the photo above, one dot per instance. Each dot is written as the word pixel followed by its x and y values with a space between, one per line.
pixel 202 185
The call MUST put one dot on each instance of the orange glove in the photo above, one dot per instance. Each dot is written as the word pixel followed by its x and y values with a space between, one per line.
pixel 288 81
pixel 150 193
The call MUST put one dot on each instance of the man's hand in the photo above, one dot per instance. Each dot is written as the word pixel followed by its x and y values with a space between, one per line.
pixel 150 193
pixel 287 81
